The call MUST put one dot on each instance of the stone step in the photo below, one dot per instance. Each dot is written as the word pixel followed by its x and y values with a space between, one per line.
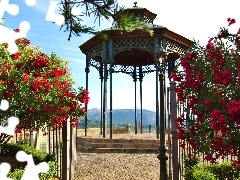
pixel 106 145
pixel 117 145
pixel 101 140
pixel 117 150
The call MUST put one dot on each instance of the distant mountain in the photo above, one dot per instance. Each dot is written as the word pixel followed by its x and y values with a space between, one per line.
pixel 125 116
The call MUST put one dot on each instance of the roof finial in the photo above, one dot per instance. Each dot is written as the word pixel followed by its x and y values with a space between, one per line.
pixel 135 4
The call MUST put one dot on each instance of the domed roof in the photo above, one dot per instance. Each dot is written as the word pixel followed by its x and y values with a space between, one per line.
pixel 144 13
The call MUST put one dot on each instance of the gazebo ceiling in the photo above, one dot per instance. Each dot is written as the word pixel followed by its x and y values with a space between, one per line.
pixel 134 57
pixel 131 57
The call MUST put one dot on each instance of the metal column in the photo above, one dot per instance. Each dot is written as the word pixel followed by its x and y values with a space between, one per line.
pixel 111 132
pixel 135 93
pixel 101 116
pixel 87 71
pixel 162 148
pixel 157 105
pixel 105 101
pixel 104 58
pixel 110 55
pixel 141 79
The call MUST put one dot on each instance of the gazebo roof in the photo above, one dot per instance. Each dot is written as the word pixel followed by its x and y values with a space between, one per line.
pixel 147 15
pixel 115 34
pixel 135 54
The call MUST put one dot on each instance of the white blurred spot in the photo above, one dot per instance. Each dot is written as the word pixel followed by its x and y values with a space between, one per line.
pixel 30 2
pixel 51 16
pixel 4 105
pixel 76 11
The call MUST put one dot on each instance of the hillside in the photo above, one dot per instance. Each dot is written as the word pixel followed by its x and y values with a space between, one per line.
pixel 125 115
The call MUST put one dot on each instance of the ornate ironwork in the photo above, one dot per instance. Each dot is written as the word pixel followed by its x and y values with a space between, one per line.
pixel 107 53
pixel 96 51
pixel 146 44
pixel 174 47
pixel 119 45
pixel 94 63
pixel 149 68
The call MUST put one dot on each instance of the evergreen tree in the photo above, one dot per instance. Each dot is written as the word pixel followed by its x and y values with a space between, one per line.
pixel 100 10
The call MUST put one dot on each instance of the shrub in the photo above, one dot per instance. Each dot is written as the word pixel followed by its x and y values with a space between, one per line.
pixel 208 87
pixel 197 173
pixel 219 171
pixel 191 161
pixel 45 84
pixel 223 171
pixel 11 149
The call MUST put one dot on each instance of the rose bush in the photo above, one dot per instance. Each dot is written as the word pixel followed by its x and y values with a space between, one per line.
pixel 39 88
pixel 208 85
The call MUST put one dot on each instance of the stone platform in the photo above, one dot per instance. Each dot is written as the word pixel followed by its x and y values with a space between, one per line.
pixel 120 143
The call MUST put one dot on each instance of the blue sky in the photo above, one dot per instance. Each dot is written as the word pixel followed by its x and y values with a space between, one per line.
pixel 189 18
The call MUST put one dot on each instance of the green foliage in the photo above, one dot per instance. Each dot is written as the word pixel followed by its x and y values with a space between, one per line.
pixel 39 89
pixel 128 22
pixel 99 9
pixel 11 149
pixel 208 82
pixel 96 124
pixel 197 173
pixel 16 175
pixel 91 124
pixel 191 162
pixel 221 171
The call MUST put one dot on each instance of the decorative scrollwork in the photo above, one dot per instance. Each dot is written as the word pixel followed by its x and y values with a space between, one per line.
pixel 120 45
pixel 141 43
pixel 173 47
pixel 148 69
pixel 96 51
pixel 123 69
pixel 94 63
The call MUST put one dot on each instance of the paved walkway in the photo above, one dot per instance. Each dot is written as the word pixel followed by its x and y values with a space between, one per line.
pixel 118 166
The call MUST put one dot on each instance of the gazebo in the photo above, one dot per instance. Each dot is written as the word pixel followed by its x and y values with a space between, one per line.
pixel 136 53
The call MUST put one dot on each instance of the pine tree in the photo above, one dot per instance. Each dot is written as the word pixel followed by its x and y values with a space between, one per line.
pixel 100 10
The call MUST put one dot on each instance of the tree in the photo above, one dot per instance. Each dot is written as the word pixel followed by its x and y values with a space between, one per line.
pixel 100 10
pixel 39 89
pixel 208 85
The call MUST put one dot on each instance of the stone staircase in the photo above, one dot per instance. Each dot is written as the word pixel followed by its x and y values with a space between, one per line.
pixel 101 145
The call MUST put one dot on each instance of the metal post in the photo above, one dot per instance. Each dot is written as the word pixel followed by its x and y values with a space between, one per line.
pixel 105 101
pixel 104 59
pixel 157 105
pixel 101 122
pixel 135 93
pixel 73 150
pixel 87 71
pixel 162 148
pixel 111 101
pixel 110 55
pixel 101 110
pixel 65 150
pixel 140 79
pixel 168 129
pixel 175 143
